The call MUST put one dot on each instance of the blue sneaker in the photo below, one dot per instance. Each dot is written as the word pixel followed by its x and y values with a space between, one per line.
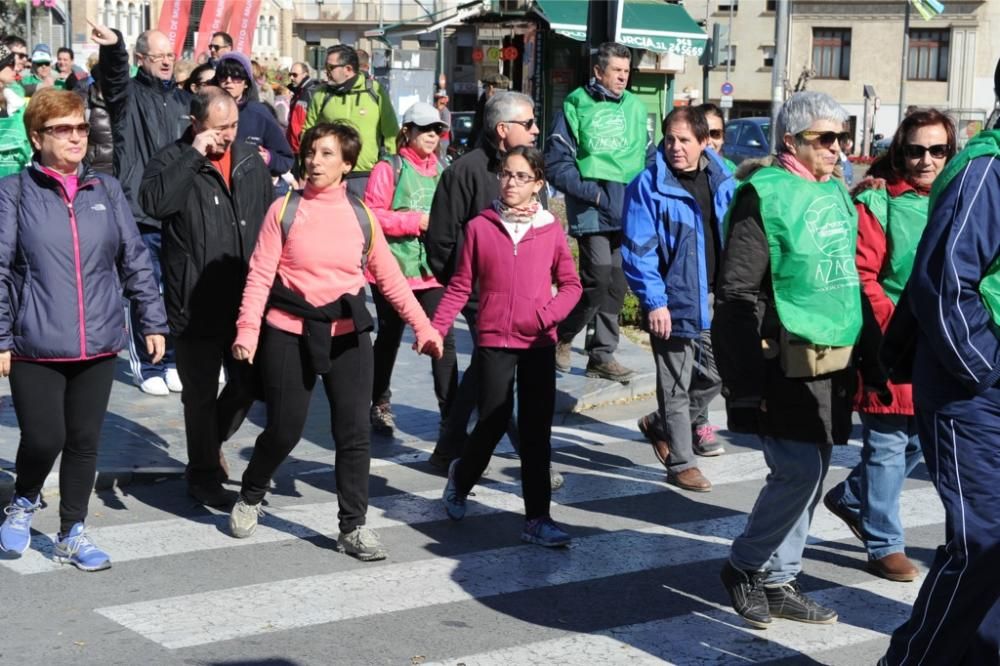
pixel 77 549
pixel 15 533
pixel 454 502
pixel 544 532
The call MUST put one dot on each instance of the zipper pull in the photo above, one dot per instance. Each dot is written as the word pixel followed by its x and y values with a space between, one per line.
pixel 216 197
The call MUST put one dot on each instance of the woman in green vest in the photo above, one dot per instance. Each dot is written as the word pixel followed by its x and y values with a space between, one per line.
pixel 15 149
pixel 399 192
pixel 787 313
pixel 891 220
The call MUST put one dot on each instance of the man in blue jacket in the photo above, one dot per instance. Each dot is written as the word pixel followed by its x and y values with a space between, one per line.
pixel 671 246
pixel 598 144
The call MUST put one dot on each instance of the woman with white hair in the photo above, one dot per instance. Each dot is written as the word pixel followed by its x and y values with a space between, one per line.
pixel 787 314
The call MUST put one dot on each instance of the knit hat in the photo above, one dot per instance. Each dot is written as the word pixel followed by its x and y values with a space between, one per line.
pixel 6 57
pixel 240 58
pixel 422 114
pixel 41 54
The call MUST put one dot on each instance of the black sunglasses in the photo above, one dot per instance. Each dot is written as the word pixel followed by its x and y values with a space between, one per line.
pixel 826 139
pixel 715 134
pixel 915 151
pixel 433 127
pixel 526 124
pixel 216 47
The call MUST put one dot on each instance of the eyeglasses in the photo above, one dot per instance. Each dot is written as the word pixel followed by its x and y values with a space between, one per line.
pixel 526 124
pixel 433 127
pixel 159 57
pixel 715 134
pixel 331 68
pixel 915 151
pixel 63 132
pixel 826 139
pixel 519 177
pixel 216 47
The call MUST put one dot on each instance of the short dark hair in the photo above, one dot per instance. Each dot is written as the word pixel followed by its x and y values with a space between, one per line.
pixel 892 165
pixel 609 50
pixel 202 102
pixel 226 37
pixel 710 109
pixel 14 40
pixel 533 156
pixel 65 49
pixel 347 137
pixel 693 116
pixel 195 76
pixel 346 55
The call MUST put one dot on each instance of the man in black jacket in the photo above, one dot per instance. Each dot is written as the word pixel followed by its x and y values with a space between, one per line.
pixel 211 194
pixel 147 111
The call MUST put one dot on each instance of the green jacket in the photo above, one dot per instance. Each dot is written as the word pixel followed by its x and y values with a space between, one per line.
pixel 368 107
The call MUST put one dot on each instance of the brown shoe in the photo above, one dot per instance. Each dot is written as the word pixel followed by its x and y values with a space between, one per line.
pixel 690 479
pixel 660 447
pixel 894 566
pixel 564 356
pixel 833 506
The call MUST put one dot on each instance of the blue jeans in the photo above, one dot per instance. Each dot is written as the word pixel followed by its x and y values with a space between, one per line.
pixel 778 525
pixel 139 360
pixel 871 491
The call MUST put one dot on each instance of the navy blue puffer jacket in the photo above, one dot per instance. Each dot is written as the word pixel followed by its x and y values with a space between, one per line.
pixel 64 267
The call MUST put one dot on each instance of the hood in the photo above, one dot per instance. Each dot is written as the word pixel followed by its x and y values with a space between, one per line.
pixel 666 182
pixel 750 166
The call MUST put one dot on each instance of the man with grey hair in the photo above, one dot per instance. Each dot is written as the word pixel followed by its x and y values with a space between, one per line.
pixel 147 111
pixel 302 83
pixel 598 144
pixel 466 188
pixel 787 314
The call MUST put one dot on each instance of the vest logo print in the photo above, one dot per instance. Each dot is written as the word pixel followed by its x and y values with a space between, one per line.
pixel 607 131
pixel 831 231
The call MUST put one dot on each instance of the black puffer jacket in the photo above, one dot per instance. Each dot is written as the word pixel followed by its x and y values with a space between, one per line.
pixel 146 114
pixel 209 232
pixel 100 141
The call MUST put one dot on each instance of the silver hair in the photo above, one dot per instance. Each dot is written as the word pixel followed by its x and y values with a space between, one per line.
pixel 305 68
pixel 142 43
pixel 502 107
pixel 802 109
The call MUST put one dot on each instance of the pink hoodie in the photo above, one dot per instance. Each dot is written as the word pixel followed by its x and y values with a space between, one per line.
pixel 321 260
pixel 516 307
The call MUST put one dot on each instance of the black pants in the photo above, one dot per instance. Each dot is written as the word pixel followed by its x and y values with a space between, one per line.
pixel 536 393
pixel 390 334
pixel 60 408
pixel 288 385
pixel 211 417
pixel 603 295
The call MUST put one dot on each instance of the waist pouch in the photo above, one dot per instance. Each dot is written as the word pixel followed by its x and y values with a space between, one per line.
pixel 801 358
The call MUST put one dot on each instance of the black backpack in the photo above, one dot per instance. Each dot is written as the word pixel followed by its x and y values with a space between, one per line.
pixel 366 220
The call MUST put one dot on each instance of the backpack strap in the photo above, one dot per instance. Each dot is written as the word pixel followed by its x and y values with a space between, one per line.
pixel 367 223
pixel 286 216
pixel 397 165
pixel 370 89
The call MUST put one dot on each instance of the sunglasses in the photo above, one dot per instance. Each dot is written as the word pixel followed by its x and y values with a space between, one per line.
pixel 526 124
pixel 63 132
pixel 915 151
pixel 216 47
pixel 715 134
pixel 433 127
pixel 825 139
pixel 331 68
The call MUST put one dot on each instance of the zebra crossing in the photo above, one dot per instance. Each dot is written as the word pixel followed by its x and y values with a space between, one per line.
pixel 639 584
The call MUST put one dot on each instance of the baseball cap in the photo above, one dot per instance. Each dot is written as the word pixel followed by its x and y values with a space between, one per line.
pixel 41 54
pixel 422 114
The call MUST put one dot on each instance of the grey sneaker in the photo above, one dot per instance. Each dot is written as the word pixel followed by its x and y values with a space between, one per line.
pixel 362 543
pixel 564 356
pixel 612 371
pixel 243 519
pixel 382 419
pixel 556 479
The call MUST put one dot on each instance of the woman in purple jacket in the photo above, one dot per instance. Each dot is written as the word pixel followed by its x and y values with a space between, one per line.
pixel 69 249
pixel 514 250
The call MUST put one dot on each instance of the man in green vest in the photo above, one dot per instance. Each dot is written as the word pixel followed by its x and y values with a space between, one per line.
pixel 598 144
pixel 787 314
pixel 352 96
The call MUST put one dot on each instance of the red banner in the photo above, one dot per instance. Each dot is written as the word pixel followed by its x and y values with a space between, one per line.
pixel 214 18
pixel 174 18
pixel 242 26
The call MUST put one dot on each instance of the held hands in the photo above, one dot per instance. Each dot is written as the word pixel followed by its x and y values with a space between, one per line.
pixel 4 363
pixel 241 353
pixel 425 221
pixel 432 346
pixel 156 347
pixel 659 322
pixel 102 34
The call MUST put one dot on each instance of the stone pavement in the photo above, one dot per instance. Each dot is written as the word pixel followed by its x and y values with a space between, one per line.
pixel 144 435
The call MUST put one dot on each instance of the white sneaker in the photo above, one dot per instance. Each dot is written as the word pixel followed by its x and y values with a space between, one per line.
pixel 243 519
pixel 173 380
pixel 154 386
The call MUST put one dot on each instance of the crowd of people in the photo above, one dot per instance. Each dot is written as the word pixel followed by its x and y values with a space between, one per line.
pixel 243 227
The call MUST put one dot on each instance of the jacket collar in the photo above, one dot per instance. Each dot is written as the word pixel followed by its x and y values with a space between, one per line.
pixel 602 94
pixel 666 182
pixel 153 83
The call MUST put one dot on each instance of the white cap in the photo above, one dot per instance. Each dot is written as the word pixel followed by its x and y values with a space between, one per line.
pixel 422 114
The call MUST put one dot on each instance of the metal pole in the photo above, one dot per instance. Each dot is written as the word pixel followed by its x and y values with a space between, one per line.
pixel 705 68
pixel 729 55
pixel 778 70
pixel 27 25
pixel 906 61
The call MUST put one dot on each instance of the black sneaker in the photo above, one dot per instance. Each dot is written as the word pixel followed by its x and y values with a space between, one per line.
pixel 382 420
pixel 746 591
pixel 787 601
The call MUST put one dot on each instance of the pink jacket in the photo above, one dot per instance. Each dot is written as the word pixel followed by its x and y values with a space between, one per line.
pixel 379 194
pixel 321 260
pixel 516 305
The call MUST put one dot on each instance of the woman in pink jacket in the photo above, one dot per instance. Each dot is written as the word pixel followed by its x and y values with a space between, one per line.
pixel 399 192
pixel 514 251
pixel 317 324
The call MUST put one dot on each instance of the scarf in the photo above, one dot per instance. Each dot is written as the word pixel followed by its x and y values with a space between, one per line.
pixel 792 165
pixel 343 88
pixel 517 214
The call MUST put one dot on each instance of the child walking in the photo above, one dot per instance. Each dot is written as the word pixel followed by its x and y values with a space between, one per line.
pixel 514 251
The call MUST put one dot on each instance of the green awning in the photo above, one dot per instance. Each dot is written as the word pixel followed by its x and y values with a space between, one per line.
pixel 646 24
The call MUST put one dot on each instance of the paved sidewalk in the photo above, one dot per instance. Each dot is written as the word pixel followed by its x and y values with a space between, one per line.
pixel 144 435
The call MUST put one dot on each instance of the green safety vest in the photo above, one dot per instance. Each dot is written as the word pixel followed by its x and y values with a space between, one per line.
pixel 611 137
pixel 15 149
pixel 414 191
pixel 903 220
pixel 984 144
pixel 812 234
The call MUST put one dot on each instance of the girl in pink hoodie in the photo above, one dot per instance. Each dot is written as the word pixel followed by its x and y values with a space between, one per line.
pixel 514 251
pixel 318 272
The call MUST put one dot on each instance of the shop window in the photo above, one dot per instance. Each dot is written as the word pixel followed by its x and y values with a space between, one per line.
pixel 928 58
pixel 831 55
